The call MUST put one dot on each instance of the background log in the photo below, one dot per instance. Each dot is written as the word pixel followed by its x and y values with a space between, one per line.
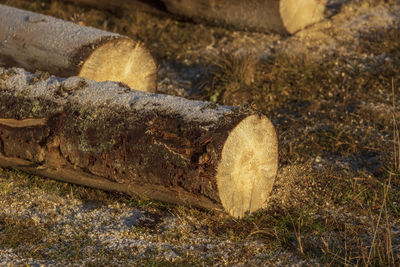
pixel 156 146
pixel 38 42
pixel 281 16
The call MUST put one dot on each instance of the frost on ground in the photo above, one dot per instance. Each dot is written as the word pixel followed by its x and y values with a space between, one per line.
pixel 73 232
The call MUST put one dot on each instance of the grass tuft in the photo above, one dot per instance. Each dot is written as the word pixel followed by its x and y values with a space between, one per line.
pixel 230 74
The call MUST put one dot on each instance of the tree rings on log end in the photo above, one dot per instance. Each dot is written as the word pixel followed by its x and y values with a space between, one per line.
pixel 248 166
pixel 298 14
pixel 122 60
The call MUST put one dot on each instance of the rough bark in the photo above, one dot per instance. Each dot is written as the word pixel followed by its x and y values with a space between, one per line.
pixel 155 146
pixel 281 16
pixel 38 42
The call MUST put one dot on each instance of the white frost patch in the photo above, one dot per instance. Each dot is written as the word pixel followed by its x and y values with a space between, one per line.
pixel 380 17
pixel 112 94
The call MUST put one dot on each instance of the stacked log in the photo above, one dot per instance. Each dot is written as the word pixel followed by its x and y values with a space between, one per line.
pixel 161 147
pixel 38 42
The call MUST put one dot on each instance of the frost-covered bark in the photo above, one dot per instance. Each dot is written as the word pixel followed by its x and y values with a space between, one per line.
pixel 156 146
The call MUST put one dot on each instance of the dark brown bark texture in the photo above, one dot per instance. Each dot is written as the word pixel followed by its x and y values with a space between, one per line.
pixel 110 137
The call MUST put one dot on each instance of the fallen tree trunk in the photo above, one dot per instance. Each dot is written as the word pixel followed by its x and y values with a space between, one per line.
pixel 155 146
pixel 281 16
pixel 38 42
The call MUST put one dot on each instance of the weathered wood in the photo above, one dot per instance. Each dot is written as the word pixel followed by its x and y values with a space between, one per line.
pixel 281 16
pixel 155 146
pixel 38 42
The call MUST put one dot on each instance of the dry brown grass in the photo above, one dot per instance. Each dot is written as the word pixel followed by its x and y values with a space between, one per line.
pixel 232 75
pixel 19 232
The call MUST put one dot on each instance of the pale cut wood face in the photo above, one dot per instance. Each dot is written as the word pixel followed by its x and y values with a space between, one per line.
pixel 248 166
pixel 297 14
pixel 122 60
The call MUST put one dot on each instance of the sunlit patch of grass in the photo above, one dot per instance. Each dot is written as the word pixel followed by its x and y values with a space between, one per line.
pixel 232 76
pixel 234 70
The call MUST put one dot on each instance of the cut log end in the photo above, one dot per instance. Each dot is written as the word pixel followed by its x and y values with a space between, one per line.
pixel 248 166
pixel 122 60
pixel 297 14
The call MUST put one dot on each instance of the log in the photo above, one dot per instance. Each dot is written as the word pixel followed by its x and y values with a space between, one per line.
pixel 37 42
pixel 281 16
pixel 160 147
